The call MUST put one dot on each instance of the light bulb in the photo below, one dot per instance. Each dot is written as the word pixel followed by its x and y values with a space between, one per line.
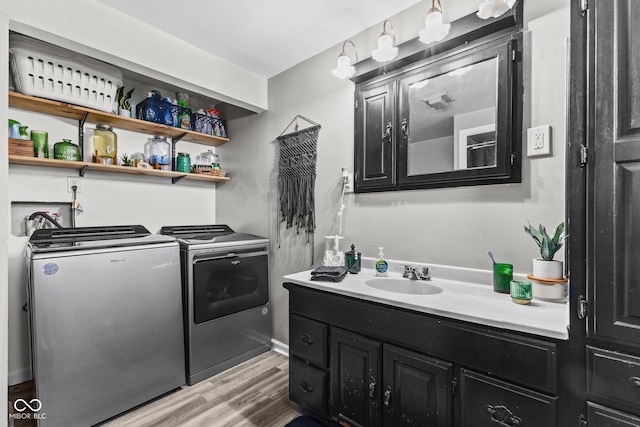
pixel 494 8
pixel 344 69
pixel 385 51
pixel 434 27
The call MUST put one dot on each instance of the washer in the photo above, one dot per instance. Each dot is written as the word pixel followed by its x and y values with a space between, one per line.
pixel 105 321
pixel 225 282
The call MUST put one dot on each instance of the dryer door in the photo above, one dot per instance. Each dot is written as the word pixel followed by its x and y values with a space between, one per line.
pixel 229 282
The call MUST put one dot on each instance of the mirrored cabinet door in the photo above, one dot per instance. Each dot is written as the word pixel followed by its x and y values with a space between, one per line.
pixel 456 120
pixel 450 120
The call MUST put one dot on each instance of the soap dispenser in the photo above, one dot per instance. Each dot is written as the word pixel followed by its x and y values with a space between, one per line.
pixel 382 266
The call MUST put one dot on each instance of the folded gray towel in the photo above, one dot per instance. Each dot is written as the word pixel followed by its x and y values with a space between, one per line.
pixel 329 273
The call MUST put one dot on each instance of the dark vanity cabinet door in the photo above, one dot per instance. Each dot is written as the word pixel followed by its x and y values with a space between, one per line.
pixel 375 140
pixel 417 389
pixel 356 380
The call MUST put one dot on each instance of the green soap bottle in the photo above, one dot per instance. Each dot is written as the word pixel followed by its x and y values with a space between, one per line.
pixel 382 266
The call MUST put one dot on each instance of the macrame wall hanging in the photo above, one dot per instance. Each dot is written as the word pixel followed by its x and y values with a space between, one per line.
pixel 297 178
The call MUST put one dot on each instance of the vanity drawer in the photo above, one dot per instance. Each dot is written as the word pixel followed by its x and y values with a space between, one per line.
pixel 601 416
pixel 613 376
pixel 309 340
pixel 487 402
pixel 308 386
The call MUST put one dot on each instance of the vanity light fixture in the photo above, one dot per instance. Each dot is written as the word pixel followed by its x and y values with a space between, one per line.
pixel 434 27
pixel 494 8
pixel 344 69
pixel 387 49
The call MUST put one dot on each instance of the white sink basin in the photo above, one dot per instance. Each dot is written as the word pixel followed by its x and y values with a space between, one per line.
pixel 404 286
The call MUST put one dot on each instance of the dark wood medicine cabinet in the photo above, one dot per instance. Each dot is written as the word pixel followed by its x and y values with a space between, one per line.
pixel 443 115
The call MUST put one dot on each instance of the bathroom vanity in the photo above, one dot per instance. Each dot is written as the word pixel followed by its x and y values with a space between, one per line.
pixel 367 356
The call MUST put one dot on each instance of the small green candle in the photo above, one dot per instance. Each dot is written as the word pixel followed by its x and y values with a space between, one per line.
pixel 521 292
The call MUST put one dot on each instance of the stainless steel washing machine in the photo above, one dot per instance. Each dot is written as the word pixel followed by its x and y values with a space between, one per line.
pixel 225 281
pixel 105 319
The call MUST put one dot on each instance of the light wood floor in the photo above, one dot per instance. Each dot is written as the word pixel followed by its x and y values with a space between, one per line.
pixel 254 393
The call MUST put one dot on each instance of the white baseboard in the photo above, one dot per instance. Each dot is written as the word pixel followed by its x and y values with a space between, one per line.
pixel 18 377
pixel 280 347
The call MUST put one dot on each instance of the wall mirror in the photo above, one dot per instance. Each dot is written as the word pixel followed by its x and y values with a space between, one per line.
pixel 457 122
pixel 453 119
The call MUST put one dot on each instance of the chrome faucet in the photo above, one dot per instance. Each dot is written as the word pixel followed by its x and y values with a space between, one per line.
pixel 416 273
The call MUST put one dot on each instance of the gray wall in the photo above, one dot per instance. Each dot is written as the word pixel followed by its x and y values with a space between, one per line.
pixel 445 226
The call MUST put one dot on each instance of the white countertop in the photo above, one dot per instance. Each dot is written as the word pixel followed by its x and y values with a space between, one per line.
pixel 467 295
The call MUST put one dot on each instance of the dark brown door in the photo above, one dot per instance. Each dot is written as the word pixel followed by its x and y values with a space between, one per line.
pixel 375 140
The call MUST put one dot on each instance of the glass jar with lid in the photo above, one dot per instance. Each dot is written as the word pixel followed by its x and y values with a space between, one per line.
pixel 183 164
pixel 158 152
pixel 105 145
pixel 205 161
pixel 66 150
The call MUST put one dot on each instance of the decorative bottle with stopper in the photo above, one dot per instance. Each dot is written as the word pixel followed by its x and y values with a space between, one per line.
pixel 352 260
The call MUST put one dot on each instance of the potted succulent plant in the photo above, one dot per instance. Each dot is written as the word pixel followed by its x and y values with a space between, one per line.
pixel 126 160
pixel 546 267
pixel 124 101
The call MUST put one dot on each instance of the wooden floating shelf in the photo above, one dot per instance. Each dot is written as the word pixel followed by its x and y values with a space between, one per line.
pixel 83 166
pixel 70 111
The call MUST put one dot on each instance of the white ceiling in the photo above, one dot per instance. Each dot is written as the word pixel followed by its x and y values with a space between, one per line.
pixel 265 37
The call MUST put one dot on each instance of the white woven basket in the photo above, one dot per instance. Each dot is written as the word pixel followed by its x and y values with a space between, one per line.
pixel 47 71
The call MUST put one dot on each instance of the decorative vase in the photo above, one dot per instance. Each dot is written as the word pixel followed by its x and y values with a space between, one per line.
pixel 124 113
pixel 15 131
pixel 543 269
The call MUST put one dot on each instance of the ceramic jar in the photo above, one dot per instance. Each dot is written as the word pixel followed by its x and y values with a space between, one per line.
pixel 66 150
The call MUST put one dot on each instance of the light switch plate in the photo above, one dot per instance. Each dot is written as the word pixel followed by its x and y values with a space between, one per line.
pixel 539 141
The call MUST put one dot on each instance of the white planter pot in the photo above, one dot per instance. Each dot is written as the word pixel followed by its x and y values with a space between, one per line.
pixel 124 113
pixel 547 269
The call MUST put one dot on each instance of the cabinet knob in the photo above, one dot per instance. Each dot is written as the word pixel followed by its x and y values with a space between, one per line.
pixel 388 130
pixel 635 381
pixel 306 339
pixel 387 397
pixel 305 387
pixel 502 416
pixel 404 127
pixel 372 388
